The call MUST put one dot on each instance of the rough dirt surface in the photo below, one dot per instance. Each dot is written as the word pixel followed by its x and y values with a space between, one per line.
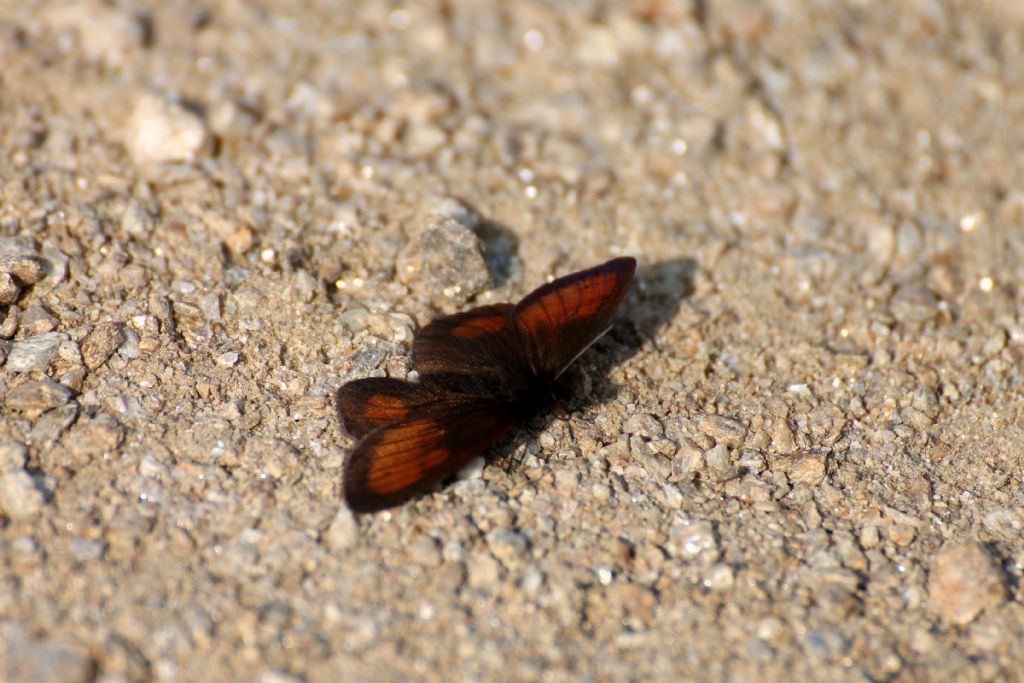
pixel 798 456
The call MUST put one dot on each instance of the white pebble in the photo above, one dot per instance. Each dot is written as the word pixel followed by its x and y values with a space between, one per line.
pixel 160 130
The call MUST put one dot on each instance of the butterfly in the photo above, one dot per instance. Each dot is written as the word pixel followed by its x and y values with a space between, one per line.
pixel 481 373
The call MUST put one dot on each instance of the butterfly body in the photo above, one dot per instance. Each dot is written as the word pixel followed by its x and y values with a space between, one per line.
pixel 481 373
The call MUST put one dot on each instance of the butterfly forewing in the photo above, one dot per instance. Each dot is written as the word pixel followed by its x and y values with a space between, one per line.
pixel 561 319
pixel 480 339
pixel 398 460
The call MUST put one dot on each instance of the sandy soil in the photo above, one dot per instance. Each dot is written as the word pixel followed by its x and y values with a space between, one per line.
pixel 799 455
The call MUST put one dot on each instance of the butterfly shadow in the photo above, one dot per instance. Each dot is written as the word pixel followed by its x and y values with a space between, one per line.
pixel 658 292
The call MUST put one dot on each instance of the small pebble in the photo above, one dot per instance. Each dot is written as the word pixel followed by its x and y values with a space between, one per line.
pixel 724 430
pixel 601 492
pixel 633 602
pixel 869 536
pixel 343 533
pixel 424 551
pixel 51 425
pixel 38 396
pixel 688 461
pixel 209 304
pixel 566 482
pixel 31 659
pixel 96 437
pixel 824 644
pixel 74 379
pixel 272 676
pixel 10 322
pixel 453 551
pixel 26 269
pixel 532 582
pixel 136 221
pixel 643 424
pixel 964 580
pixel 129 348
pixel 751 460
pixel 35 353
pixel 482 570
pixel 36 320
pixel 160 131
pixel 507 544
pixel 692 538
pixel 671 497
pixel 719 468
pixel 719 578
pixel 101 344
pixel 12 456
pixel 19 497
pixel 9 289
pixel 424 139
pixel 806 468
pixel 85 550
pixel 226 360
pixel 901 534
pixel 444 260
pixel 133 276
pixel 783 439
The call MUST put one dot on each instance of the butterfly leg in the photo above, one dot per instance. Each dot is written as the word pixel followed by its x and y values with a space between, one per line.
pixel 517 453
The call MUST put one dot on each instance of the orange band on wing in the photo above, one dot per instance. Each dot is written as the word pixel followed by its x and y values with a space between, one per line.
pixel 404 456
pixel 480 326
pixel 577 300
pixel 383 479
pixel 385 407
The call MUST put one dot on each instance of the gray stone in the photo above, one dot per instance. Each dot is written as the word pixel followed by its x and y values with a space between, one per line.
pixel 85 550
pixel 444 260
pixel 35 353
pixel 36 320
pixel 33 660
pixel 51 425
pixel 718 465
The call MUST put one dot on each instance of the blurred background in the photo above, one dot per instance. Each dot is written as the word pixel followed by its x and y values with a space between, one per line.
pixel 799 455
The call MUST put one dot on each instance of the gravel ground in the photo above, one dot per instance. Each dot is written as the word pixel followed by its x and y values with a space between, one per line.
pixel 798 456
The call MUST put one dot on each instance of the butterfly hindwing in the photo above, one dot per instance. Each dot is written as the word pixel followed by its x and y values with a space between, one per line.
pixel 366 404
pixel 560 320
pixel 401 459
pixel 471 342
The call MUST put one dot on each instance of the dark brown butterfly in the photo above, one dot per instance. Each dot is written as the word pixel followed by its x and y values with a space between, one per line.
pixel 481 373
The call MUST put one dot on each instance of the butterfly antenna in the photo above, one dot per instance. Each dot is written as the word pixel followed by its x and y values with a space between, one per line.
pixel 583 350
